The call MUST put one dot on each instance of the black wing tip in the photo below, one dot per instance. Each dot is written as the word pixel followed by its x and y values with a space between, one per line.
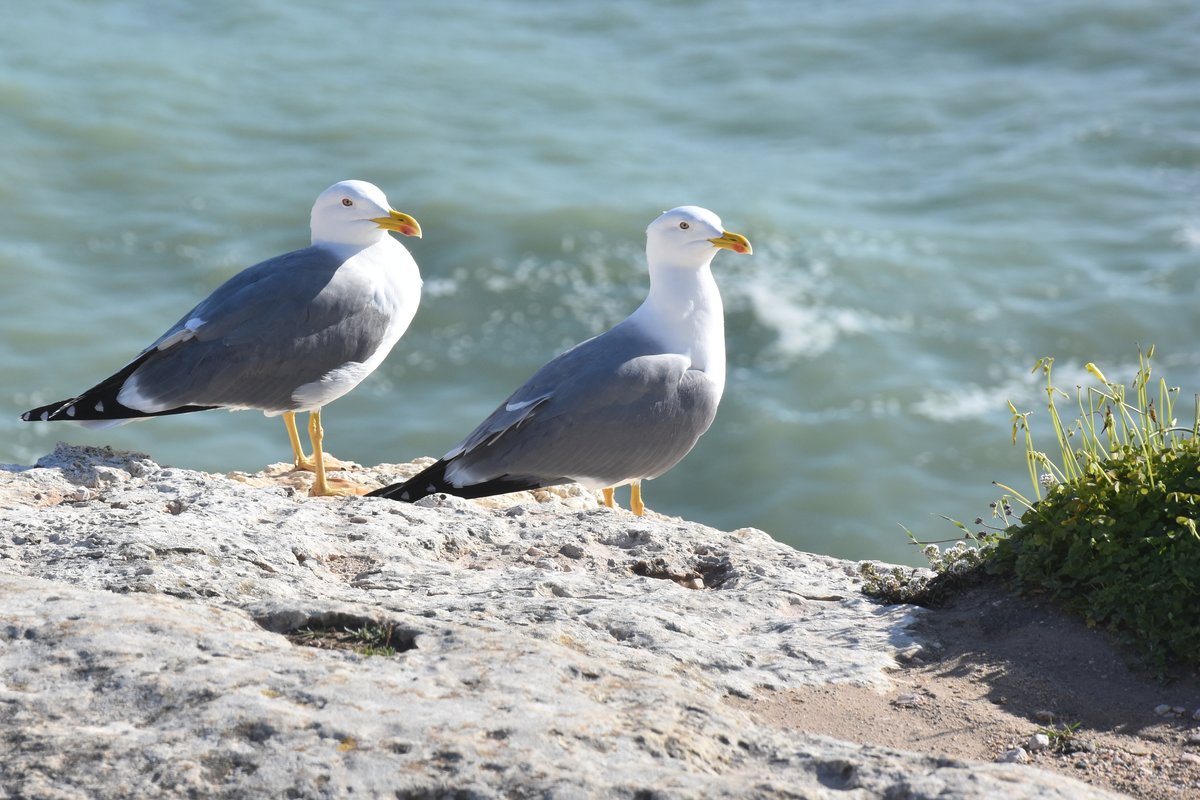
pixel 393 491
pixel 100 402
pixel 505 484
pixel 432 480
pixel 51 411
pixel 97 403
pixel 94 408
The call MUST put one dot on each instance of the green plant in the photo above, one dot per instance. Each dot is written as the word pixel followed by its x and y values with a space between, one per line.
pixel 1061 737
pixel 1112 528
pixel 368 639
pixel 949 568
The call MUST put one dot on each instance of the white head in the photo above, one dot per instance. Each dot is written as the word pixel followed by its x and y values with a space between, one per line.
pixel 689 236
pixel 357 213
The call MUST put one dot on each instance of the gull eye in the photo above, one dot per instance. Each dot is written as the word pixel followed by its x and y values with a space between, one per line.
pixel 683 226
pixel 346 201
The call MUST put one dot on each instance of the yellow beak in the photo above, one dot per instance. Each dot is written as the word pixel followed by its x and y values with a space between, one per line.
pixel 732 241
pixel 398 222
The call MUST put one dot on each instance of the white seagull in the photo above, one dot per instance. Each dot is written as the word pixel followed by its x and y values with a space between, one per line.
pixel 290 334
pixel 622 407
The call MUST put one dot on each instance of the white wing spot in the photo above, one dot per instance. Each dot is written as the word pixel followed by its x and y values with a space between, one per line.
pixel 70 411
pixel 522 404
pixel 45 416
pixel 187 332
pixel 100 407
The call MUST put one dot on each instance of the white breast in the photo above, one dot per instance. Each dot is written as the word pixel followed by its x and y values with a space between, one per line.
pixel 394 273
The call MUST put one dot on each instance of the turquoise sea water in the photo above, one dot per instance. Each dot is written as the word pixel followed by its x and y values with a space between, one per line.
pixel 938 194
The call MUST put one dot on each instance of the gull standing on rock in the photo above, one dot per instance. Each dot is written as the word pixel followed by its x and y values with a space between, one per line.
pixel 622 407
pixel 290 334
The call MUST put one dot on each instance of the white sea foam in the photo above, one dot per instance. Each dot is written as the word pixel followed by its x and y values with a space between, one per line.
pixel 1189 234
pixel 1026 391
pixel 970 402
pixel 793 296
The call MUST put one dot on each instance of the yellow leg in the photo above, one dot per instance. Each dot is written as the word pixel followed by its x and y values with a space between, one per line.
pixel 298 458
pixel 321 487
pixel 608 498
pixel 316 435
pixel 635 498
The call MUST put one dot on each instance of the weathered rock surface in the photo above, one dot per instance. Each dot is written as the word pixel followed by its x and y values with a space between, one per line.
pixel 550 649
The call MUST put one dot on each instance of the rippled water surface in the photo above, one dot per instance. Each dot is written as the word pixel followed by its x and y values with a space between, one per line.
pixel 938 193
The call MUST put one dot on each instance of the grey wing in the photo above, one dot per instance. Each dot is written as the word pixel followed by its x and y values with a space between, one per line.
pixel 568 375
pixel 264 332
pixel 608 410
pixel 243 300
pixel 521 404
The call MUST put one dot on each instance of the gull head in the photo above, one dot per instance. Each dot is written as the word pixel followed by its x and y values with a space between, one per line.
pixel 689 236
pixel 357 213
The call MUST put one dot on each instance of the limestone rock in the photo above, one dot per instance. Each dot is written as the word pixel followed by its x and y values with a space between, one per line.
pixel 158 632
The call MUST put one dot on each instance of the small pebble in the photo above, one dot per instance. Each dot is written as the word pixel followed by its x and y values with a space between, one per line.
pixel 1039 741
pixel 907 700
pixel 1190 758
pixel 1162 709
pixel 136 551
pixel 1015 756
pixel 1044 716
pixel 571 550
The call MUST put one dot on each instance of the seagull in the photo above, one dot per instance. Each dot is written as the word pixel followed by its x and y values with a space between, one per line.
pixel 290 334
pixel 622 407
